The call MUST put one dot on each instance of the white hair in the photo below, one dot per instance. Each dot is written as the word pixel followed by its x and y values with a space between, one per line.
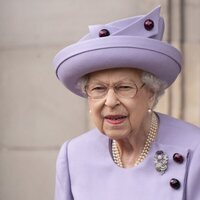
pixel 155 84
pixel 152 82
pixel 81 85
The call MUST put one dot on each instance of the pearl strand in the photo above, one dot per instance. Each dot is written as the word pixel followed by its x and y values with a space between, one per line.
pixel 150 138
pixel 116 154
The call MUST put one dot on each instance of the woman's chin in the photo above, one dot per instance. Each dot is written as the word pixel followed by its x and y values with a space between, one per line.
pixel 116 134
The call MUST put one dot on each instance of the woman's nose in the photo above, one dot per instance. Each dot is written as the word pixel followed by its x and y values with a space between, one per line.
pixel 111 99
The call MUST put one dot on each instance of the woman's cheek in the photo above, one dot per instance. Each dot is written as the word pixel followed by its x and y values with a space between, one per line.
pixel 96 114
pixel 97 120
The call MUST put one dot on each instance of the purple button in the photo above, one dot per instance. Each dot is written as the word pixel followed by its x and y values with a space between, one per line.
pixel 175 183
pixel 178 158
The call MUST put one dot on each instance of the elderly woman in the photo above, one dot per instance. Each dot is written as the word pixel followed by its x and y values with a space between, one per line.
pixel 122 68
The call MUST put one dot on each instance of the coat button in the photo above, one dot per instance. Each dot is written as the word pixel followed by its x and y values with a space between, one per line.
pixel 148 24
pixel 178 158
pixel 104 33
pixel 174 183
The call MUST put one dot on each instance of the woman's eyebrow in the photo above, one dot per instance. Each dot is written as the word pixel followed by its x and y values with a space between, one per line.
pixel 122 81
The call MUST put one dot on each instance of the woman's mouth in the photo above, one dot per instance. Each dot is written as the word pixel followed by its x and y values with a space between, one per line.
pixel 115 119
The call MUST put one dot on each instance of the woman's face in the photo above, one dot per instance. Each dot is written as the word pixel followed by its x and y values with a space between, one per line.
pixel 115 116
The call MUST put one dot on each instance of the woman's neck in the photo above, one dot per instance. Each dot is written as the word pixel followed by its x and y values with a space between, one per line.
pixel 131 147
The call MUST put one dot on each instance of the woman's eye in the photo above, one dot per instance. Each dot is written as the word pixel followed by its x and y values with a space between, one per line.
pixel 124 87
pixel 98 88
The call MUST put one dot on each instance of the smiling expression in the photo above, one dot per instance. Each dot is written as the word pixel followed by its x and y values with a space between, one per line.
pixel 115 116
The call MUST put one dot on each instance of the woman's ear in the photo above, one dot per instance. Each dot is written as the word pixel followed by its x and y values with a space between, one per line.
pixel 152 99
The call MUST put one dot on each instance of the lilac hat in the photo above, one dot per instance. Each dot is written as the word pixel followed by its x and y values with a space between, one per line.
pixel 128 43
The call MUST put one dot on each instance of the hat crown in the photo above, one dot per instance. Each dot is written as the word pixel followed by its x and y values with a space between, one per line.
pixel 133 26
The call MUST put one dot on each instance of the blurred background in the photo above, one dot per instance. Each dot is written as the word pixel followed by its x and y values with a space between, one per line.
pixel 37 114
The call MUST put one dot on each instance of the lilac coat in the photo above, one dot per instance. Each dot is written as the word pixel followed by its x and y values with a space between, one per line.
pixel 86 171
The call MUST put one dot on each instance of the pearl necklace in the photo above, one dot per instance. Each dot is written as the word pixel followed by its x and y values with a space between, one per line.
pixel 150 138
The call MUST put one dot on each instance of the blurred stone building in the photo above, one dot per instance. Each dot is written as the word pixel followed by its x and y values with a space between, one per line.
pixel 37 114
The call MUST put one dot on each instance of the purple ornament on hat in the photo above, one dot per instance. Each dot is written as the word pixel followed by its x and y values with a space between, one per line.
pixel 104 33
pixel 133 42
pixel 148 24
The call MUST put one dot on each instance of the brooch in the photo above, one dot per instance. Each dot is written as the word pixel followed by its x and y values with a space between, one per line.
pixel 161 162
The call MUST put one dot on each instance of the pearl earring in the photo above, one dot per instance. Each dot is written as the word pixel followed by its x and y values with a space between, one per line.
pixel 149 110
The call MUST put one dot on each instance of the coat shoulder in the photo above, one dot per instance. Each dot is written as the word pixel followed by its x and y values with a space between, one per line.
pixel 88 137
pixel 178 132
pixel 88 142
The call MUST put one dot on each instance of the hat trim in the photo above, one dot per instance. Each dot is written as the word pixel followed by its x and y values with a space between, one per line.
pixel 125 47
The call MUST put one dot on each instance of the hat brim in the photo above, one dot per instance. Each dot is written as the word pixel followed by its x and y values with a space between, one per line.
pixel 154 56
